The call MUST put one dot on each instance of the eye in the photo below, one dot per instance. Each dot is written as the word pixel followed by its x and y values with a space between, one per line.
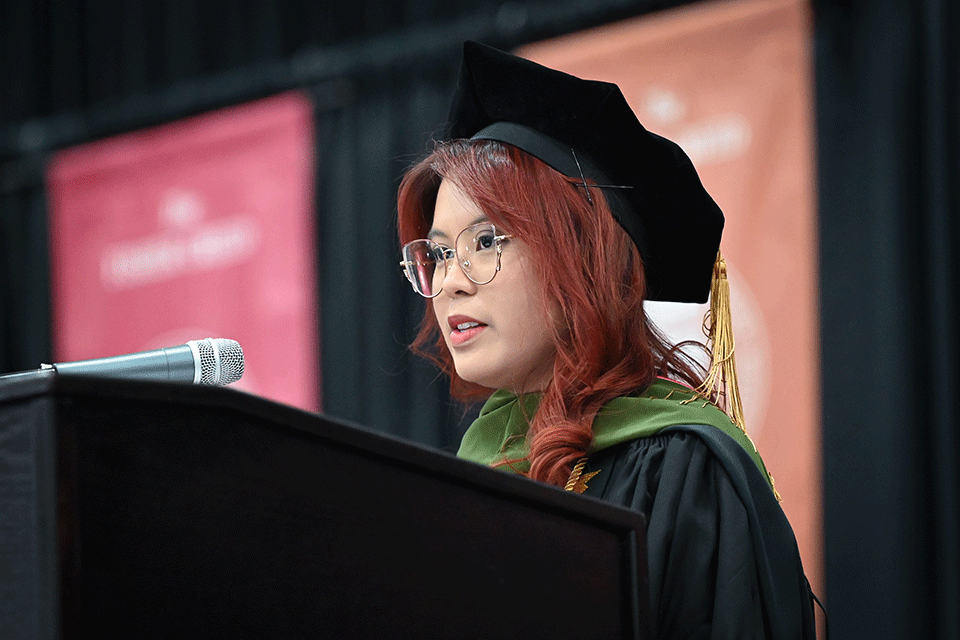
pixel 440 253
pixel 484 240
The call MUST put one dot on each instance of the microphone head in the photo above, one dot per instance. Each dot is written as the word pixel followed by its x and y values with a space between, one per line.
pixel 221 360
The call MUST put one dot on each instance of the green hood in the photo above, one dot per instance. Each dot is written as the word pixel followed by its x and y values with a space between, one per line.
pixel 499 433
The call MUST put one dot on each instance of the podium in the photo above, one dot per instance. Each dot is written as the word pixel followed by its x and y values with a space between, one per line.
pixel 155 510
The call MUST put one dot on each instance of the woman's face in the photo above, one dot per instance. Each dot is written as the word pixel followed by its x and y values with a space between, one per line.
pixel 499 333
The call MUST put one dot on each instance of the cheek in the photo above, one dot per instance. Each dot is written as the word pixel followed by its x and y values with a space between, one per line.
pixel 536 337
pixel 533 325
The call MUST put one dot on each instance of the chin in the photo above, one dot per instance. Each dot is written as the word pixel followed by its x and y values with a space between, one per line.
pixel 482 378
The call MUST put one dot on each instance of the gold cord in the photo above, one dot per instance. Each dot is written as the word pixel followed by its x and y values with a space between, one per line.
pixel 575 474
pixel 721 378
pixel 578 479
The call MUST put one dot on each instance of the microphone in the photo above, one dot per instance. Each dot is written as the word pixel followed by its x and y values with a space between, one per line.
pixel 213 361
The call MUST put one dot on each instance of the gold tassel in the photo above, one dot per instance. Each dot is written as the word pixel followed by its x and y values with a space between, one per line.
pixel 721 378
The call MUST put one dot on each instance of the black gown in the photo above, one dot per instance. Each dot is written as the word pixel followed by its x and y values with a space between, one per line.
pixel 723 560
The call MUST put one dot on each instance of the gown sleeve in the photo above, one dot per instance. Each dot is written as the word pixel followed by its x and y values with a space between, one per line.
pixel 722 559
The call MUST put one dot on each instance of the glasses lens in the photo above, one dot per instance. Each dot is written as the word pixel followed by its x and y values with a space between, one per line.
pixel 423 259
pixel 477 252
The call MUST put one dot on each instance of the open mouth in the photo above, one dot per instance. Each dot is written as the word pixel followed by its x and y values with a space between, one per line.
pixel 465 331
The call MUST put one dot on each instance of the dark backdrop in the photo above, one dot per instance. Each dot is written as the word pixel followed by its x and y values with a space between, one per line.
pixel 381 75
pixel 889 176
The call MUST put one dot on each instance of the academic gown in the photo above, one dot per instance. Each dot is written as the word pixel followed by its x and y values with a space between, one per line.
pixel 722 558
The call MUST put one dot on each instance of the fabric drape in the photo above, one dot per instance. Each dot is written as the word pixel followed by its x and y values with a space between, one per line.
pixel 888 110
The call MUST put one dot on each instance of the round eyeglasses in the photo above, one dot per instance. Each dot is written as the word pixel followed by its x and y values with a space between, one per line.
pixel 478 250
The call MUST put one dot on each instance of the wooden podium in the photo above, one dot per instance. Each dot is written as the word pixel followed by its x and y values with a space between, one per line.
pixel 148 510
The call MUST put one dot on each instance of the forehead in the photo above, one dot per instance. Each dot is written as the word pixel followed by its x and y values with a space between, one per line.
pixel 453 212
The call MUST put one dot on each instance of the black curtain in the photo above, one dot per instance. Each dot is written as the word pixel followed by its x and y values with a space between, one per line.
pixel 369 313
pixel 24 275
pixel 889 175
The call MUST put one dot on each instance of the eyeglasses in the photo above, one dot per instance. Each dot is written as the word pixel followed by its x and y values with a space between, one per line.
pixel 478 250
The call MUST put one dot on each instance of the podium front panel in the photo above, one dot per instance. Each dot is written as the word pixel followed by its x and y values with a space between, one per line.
pixel 187 512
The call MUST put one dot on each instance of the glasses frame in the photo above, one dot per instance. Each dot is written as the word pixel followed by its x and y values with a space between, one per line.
pixel 450 252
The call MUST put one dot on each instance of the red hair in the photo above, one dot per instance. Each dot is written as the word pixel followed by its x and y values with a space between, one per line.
pixel 591 273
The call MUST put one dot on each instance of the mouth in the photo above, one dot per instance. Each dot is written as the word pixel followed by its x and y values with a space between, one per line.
pixel 463 329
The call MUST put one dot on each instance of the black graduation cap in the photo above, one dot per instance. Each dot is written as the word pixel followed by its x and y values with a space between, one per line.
pixel 584 128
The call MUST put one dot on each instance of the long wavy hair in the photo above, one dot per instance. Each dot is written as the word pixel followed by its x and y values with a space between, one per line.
pixel 591 271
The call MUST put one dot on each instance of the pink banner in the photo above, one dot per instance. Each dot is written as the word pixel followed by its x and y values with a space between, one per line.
pixel 731 83
pixel 195 229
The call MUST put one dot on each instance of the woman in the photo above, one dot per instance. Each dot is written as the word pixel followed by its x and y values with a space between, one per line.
pixel 537 231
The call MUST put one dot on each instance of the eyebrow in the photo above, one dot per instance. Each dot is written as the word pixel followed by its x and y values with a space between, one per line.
pixel 436 233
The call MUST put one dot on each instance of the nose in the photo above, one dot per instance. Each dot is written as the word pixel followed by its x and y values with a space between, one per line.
pixel 455 281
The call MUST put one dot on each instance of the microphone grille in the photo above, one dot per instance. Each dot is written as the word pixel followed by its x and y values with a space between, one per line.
pixel 221 361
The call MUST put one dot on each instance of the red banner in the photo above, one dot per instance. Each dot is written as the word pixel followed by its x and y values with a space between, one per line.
pixel 195 229
pixel 731 83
